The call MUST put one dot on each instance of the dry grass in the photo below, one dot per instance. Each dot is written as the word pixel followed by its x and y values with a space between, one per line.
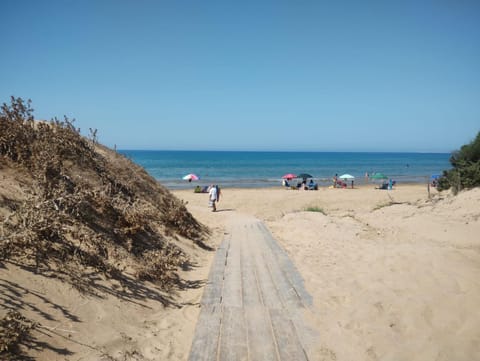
pixel 84 208
pixel 14 331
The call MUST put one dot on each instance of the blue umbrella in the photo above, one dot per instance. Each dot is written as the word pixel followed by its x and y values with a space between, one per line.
pixel 304 175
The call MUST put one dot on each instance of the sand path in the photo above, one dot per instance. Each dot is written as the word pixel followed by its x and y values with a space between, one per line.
pixel 255 304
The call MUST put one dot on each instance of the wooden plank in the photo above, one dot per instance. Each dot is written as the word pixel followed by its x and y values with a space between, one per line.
pixel 270 253
pixel 207 333
pixel 308 336
pixel 268 291
pixel 250 290
pixel 288 343
pixel 233 337
pixel 212 293
pixel 286 291
pixel 232 284
pixel 286 266
pixel 295 310
pixel 261 341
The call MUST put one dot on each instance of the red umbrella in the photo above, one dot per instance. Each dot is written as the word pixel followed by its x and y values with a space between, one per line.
pixel 289 176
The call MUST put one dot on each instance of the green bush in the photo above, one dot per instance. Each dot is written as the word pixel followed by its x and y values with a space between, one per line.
pixel 315 209
pixel 465 173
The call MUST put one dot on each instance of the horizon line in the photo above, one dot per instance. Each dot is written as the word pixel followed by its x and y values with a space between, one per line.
pixel 277 151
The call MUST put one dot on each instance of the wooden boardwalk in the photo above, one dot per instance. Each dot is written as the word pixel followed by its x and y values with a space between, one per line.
pixel 254 303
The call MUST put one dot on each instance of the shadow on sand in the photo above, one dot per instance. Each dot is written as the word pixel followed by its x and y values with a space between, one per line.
pixel 44 310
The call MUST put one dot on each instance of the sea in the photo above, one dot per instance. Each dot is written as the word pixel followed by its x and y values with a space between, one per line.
pixel 251 169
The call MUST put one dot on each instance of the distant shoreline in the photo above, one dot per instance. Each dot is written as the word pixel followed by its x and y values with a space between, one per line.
pixel 248 169
pixel 357 185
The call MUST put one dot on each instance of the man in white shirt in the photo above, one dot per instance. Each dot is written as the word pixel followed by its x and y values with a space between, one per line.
pixel 212 197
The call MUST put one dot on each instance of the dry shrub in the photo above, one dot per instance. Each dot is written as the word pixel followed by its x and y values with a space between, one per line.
pixel 84 212
pixel 160 266
pixel 14 330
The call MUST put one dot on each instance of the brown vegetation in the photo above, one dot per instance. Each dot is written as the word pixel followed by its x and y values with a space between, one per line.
pixel 74 209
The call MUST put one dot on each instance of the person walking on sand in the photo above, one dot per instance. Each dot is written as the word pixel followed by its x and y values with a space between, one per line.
pixel 218 192
pixel 213 197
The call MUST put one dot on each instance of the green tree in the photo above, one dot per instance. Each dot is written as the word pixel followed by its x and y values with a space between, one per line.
pixel 465 173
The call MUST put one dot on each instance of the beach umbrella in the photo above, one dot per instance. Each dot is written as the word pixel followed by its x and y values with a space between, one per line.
pixel 378 176
pixel 289 176
pixel 304 175
pixel 191 177
pixel 346 177
pixel 435 176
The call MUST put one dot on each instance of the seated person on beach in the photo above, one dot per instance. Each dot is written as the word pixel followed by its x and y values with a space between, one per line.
pixel 312 185
pixel 285 183
pixel 383 186
pixel 304 184
pixel 199 189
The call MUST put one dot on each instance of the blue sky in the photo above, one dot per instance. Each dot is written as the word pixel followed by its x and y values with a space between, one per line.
pixel 250 75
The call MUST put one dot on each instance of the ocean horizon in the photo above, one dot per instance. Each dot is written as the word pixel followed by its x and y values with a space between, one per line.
pixel 257 169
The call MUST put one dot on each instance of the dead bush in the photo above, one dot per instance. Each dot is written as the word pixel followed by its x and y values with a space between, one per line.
pixel 14 331
pixel 83 211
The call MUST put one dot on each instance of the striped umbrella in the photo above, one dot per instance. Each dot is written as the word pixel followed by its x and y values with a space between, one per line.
pixel 191 177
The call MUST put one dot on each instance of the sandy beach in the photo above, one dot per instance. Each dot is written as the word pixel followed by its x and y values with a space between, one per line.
pixel 394 275
pixel 113 113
